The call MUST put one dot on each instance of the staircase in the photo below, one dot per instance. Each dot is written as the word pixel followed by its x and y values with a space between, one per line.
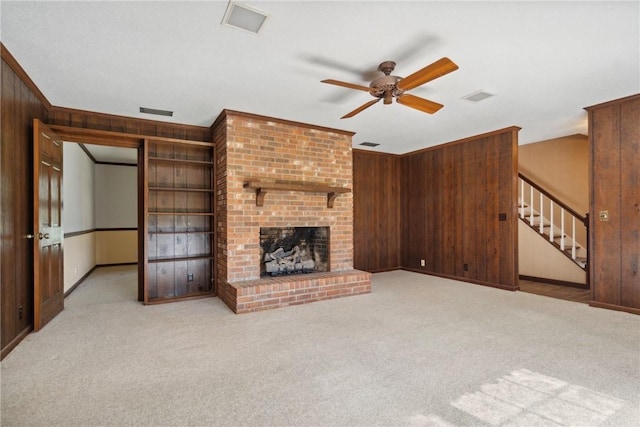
pixel 553 220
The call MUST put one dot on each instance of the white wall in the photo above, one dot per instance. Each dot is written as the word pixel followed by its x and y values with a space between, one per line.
pixel 97 196
pixel 77 190
pixel 116 205
pixel 78 214
pixel 116 196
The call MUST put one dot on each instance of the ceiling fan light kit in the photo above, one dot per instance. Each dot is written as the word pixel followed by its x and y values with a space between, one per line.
pixel 388 87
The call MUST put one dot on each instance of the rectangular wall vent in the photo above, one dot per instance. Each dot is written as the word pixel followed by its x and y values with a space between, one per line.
pixel 244 18
pixel 156 111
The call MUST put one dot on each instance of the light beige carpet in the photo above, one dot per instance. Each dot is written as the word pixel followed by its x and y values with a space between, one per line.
pixel 418 350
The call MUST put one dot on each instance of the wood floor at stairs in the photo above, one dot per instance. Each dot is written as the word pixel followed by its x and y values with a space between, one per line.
pixel 556 291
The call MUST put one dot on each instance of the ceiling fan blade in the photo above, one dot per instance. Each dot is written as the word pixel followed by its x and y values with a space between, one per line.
pixel 437 69
pixel 360 108
pixel 348 85
pixel 419 103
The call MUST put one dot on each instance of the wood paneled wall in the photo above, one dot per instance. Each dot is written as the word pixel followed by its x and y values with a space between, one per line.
pixel 21 103
pixel 459 209
pixel 98 121
pixel 614 243
pixel 376 211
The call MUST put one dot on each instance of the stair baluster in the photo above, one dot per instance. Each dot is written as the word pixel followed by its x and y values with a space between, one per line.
pixel 557 236
pixel 573 233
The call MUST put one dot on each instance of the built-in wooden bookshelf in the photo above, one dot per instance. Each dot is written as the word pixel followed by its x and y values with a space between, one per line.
pixel 179 220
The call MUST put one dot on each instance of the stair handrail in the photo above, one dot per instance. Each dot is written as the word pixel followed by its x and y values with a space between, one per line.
pixel 539 228
pixel 581 217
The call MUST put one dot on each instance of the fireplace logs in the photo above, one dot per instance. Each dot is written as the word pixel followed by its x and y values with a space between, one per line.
pixel 293 250
pixel 294 261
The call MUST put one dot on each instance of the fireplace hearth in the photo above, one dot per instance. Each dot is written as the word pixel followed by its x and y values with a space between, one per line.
pixel 293 250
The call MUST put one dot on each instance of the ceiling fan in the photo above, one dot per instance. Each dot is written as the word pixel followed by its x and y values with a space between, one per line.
pixel 388 87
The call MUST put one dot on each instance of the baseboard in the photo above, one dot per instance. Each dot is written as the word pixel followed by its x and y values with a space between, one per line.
pixel 614 307
pixel 555 282
pixel 464 279
pixel 382 270
pixel 75 285
pixel 14 342
pixel 117 264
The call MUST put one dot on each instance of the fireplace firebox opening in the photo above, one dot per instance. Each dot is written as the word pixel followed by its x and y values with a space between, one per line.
pixel 293 250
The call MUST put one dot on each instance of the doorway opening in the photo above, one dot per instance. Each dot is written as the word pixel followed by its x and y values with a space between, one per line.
pixel 100 193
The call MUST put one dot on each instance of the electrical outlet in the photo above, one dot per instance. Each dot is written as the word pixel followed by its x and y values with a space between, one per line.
pixel 423 263
pixel 466 267
pixel 190 277
pixel 20 312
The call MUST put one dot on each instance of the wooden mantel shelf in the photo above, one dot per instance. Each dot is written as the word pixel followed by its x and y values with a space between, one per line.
pixel 263 186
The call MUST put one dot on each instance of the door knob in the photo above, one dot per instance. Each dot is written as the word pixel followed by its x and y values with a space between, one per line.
pixel 29 236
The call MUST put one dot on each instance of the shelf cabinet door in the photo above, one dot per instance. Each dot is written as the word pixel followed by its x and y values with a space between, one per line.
pixel 179 221
pixel 174 280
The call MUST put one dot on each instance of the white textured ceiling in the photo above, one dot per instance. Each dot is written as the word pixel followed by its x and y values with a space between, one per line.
pixel 116 155
pixel 544 61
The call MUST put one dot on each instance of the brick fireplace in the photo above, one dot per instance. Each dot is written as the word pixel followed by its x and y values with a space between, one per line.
pixel 281 155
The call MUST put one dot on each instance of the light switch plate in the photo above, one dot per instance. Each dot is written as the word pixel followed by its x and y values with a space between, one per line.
pixel 604 215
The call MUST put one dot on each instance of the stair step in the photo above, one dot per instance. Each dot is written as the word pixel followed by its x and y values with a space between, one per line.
pixel 582 262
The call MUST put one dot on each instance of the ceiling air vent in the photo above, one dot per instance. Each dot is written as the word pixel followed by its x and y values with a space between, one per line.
pixel 156 111
pixel 369 144
pixel 244 18
pixel 478 96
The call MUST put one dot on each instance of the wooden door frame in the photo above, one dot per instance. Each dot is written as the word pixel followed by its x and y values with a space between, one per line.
pixel 121 140
pixel 124 140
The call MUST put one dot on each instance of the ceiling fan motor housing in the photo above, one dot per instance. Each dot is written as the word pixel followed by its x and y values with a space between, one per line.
pixel 385 87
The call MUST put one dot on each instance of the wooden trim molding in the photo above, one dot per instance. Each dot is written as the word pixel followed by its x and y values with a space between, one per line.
pixel 460 141
pixel 87 152
pixel 121 124
pixel 98 137
pixel 615 101
pixel 118 229
pixel 117 264
pixel 375 153
pixel 225 113
pixel 14 342
pixel 78 233
pixel 463 279
pixel 82 279
pixel 614 307
pixel 93 230
pixel 116 139
pixel 117 164
pixel 22 74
